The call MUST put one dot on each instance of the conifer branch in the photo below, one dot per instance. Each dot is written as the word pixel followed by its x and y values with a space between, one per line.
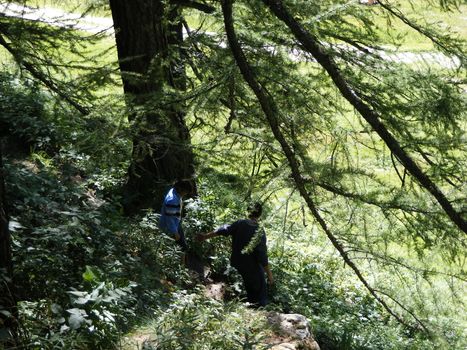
pixel 195 5
pixel 397 13
pixel 394 165
pixel 383 259
pixel 390 204
pixel 411 313
pixel 271 112
pixel 311 45
pixel 37 74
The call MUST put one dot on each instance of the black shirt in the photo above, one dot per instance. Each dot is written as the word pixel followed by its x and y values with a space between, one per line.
pixel 242 232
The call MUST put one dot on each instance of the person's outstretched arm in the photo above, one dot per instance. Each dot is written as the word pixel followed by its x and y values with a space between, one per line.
pixel 202 237
pixel 224 230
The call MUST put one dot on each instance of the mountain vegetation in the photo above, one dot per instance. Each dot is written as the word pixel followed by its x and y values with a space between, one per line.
pixel 346 120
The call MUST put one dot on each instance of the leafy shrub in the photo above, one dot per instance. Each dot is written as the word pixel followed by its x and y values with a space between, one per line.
pixel 342 315
pixel 193 322
pixel 23 116
pixel 82 270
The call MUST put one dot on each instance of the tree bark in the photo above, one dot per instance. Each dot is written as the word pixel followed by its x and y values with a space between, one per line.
pixel 149 37
pixel 312 46
pixel 8 318
pixel 271 112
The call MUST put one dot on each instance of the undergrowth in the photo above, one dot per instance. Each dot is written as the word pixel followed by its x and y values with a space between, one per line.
pixel 88 277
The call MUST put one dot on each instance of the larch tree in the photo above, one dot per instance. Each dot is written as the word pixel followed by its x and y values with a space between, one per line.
pixel 149 38
pixel 43 52
pixel 371 143
pixel 53 52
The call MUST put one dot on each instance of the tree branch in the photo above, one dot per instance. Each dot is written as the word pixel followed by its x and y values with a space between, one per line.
pixel 383 259
pixel 311 44
pixel 195 5
pixel 41 76
pixel 404 308
pixel 271 112
pixel 412 25
pixel 380 204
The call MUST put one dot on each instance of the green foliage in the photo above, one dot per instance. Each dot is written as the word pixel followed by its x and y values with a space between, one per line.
pixel 85 274
pixel 92 318
pixel 193 322
pixel 342 317
pixel 97 311
pixel 23 115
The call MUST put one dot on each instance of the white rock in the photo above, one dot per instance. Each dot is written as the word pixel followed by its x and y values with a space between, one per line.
pixel 295 329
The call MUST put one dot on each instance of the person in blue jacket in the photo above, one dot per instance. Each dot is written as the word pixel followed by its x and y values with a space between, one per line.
pixel 249 255
pixel 170 221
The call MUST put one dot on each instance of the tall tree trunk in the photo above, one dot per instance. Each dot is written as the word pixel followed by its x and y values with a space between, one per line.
pixel 9 316
pixel 149 37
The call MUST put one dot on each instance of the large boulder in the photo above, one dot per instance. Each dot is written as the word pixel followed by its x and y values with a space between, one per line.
pixel 292 332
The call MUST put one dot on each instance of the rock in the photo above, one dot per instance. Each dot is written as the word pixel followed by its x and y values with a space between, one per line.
pixel 215 291
pixel 293 332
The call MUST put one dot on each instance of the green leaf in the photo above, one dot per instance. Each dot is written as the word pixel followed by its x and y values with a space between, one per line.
pixel 75 321
pixel 56 309
pixel 77 293
pixel 83 300
pixel 14 226
pixel 89 275
pixel 5 313
pixel 64 328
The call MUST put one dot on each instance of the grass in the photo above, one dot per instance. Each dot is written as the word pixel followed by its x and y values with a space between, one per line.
pixel 193 321
pixel 72 6
pixel 392 30
pixel 452 22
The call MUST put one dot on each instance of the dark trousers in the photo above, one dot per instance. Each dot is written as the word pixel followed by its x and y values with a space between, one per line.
pixel 255 284
pixel 182 241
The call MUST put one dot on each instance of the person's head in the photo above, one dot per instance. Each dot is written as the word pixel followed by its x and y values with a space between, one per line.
pixel 255 210
pixel 183 187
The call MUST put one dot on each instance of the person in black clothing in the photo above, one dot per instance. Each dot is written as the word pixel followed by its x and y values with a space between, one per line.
pixel 249 253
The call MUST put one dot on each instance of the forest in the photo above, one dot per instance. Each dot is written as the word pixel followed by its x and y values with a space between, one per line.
pixel 344 119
